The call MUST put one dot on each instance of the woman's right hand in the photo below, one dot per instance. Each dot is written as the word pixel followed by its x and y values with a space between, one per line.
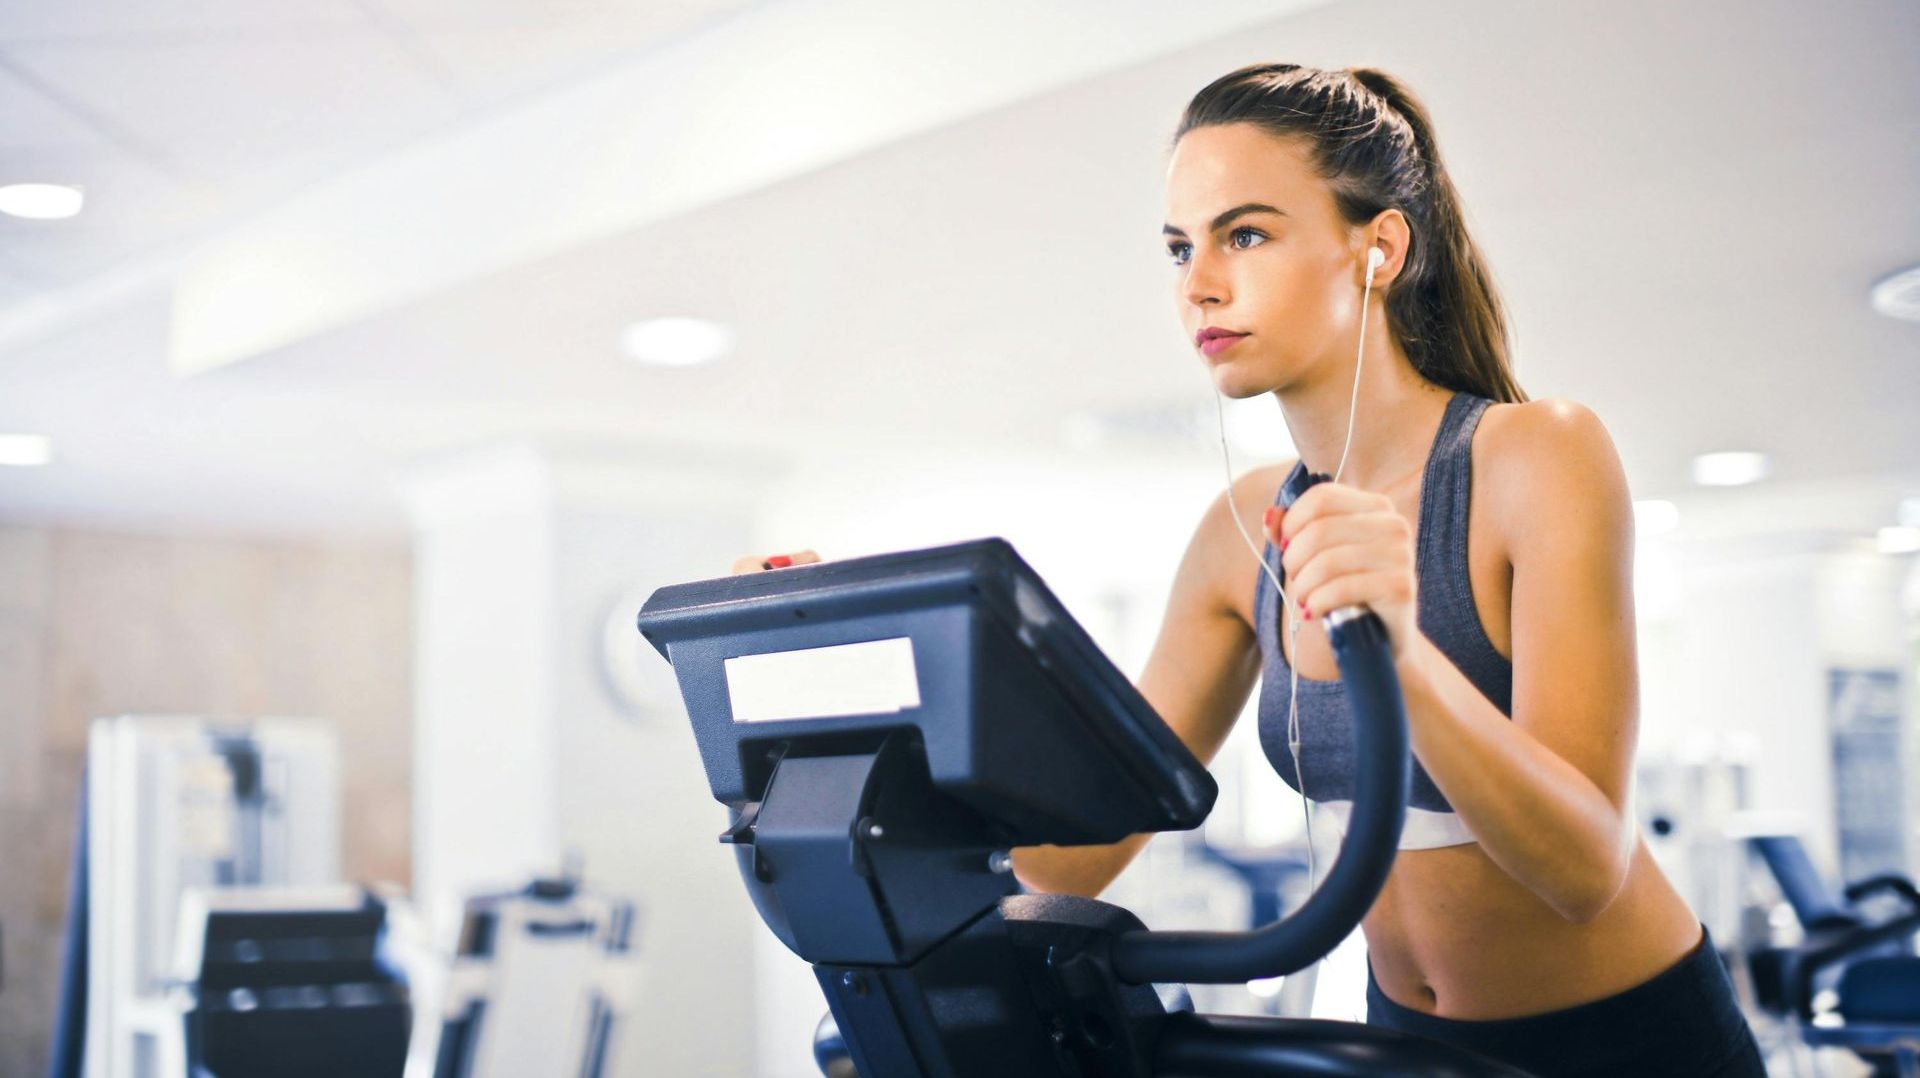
pixel 754 563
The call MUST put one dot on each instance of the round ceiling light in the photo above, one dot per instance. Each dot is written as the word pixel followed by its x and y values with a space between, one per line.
pixel 676 342
pixel 25 450
pixel 41 201
pixel 1898 539
pixel 1730 469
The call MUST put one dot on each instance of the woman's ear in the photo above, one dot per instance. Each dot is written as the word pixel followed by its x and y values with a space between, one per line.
pixel 1388 231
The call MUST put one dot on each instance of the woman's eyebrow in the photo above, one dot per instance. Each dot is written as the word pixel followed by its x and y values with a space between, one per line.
pixel 1226 218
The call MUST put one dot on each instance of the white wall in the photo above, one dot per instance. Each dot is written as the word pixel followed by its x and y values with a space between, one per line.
pixel 524 552
pixel 634 801
pixel 1738 642
pixel 484 811
pixel 1743 657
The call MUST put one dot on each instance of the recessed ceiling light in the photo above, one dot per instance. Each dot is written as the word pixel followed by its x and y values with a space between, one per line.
pixel 1730 469
pixel 1898 296
pixel 676 342
pixel 1654 517
pixel 40 201
pixel 25 450
pixel 1899 540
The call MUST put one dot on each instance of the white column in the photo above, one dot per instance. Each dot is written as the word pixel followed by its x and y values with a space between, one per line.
pixel 525 754
pixel 484 773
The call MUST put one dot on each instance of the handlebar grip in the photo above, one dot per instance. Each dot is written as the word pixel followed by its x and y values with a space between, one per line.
pixel 1383 774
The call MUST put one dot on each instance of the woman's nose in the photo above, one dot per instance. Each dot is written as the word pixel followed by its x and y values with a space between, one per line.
pixel 1204 284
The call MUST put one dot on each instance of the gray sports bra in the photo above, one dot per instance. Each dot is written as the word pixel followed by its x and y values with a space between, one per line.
pixel 1447 616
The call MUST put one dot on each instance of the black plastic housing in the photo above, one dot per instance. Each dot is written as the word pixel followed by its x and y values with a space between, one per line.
pixel 994 719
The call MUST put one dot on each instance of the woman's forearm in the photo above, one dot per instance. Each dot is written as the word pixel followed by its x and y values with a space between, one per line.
pixel 1536 815
pixel 1075 870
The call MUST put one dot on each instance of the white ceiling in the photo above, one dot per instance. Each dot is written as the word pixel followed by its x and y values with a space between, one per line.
pixel 182 115
pixel 1684 207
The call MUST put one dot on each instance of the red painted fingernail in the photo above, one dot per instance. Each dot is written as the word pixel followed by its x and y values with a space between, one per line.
pixel 780 561
pixel 1271 510
pixel 1283 545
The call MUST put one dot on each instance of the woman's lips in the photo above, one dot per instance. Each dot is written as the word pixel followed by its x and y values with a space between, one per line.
pixel 1213 346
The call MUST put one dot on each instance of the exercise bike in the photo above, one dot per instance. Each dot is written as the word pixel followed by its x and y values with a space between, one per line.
pixel 883 731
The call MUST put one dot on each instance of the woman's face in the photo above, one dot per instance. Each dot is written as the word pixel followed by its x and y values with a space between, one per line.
pixel 1287 272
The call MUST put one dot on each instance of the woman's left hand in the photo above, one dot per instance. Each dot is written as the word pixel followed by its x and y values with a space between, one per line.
pixel 1343 546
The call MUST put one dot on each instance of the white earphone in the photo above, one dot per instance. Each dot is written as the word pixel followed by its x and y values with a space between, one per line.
pixel 1375 258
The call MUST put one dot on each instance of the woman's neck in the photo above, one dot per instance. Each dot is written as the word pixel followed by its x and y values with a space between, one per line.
pixel 1393 429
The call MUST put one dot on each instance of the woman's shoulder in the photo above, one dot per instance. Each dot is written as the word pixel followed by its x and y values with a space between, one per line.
pixel 1542 417
pixel 1532 455
pixel 1540 435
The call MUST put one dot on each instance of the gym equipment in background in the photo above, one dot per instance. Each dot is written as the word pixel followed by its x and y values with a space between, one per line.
pixel 208 933
pixel 67 1047
pixel 170 804
pixel 288 983
pixel 1866 961
pixel 884 729
pixel 539 980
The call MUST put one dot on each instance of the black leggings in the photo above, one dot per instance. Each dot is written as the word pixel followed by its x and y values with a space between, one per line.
pixel 1683 1021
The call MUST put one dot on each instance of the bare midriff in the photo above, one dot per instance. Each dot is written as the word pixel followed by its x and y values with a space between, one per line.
pixel 1452 934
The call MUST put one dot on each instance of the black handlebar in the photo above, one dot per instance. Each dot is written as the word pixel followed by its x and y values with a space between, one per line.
pixel 1383 774
pixel 1899 885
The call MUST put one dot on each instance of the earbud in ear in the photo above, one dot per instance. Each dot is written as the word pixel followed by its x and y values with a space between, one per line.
pixel 1375 257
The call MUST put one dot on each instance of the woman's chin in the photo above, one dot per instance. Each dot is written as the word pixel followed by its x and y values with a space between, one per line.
pixel 1236 385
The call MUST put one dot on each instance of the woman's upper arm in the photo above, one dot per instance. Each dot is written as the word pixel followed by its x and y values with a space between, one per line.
pixel 1204 662
pixel 1567 521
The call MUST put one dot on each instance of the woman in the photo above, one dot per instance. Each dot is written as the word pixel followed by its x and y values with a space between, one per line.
pixel 1524 917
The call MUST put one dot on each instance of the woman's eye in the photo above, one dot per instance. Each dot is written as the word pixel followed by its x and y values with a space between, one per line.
pixel 1180 251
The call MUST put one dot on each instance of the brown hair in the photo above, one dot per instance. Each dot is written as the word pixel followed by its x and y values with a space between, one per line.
pixel 1372 143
